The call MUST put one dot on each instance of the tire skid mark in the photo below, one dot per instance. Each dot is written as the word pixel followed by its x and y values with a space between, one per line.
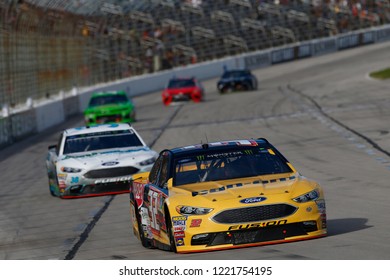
pixel 347 132
pixel 88 228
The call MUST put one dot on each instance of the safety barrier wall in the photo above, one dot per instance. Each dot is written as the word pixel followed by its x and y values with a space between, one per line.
pixel 18 125
pixel 5 132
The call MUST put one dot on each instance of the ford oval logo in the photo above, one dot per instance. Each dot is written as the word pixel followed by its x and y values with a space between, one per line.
pixel 253 199
pixel 110 163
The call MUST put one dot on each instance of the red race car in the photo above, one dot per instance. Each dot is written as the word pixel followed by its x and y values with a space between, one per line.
pixel 182 89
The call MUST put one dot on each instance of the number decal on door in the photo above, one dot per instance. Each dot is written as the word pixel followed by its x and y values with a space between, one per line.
pixel 153 206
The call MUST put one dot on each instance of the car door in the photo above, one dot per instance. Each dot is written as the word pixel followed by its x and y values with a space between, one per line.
pixel 52 157
pixel 156 192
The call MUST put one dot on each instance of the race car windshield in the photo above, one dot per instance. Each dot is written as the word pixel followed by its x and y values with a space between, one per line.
pixel 107 99
pixel 228 165
pixel 101 141
pixel 181 83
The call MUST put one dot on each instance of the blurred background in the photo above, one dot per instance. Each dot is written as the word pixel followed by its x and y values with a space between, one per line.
pixel 49 47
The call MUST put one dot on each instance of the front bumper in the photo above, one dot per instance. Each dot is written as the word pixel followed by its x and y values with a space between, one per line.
pixel 97 183
pixel 79 191
pixel 127 117
pixel 309 221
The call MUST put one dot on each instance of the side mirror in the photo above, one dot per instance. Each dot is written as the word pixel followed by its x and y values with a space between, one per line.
pixel 52 147
pixel 169 183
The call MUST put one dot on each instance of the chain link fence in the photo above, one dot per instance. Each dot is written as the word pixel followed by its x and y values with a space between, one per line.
pixel 52 47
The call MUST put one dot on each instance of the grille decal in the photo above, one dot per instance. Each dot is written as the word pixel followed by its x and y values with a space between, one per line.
pixel 254 214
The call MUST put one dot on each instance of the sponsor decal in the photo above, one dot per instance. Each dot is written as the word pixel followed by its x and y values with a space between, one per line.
pixel 61 184
pixel 179 223
pixel 271 152
pixel 138 190
pixel 110 163
pixel 196 222
pixel 62 176
pixel 74 180
pixel 179 218
pixel 253 199
pixel 225 155
pixel 114 125
pixel 258 225
pixel 238 185
pixel 146 149
pixel 113 180
pixel 178 234
pixel 184 160
pixel 179 228
pixel 179 241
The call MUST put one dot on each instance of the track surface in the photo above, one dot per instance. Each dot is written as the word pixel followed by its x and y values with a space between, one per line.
pixel 328 118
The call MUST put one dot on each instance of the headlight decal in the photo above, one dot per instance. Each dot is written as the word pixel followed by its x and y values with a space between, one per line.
pixel 148 161
pixel 309 196
pixel 70 169
pixel 190 210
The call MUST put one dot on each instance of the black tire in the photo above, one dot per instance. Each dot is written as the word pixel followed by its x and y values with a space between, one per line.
pixel 51 191
pixel 144 241
pixel 170 232
pixel 54 177
pixel 246 87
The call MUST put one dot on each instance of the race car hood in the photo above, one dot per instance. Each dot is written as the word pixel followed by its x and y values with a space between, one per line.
pixel 247 188
pixel 233 79
pixel 107 158
pixel 109 108
pixel 174 91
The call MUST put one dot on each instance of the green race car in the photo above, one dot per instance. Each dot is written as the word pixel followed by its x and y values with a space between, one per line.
pixel 109 107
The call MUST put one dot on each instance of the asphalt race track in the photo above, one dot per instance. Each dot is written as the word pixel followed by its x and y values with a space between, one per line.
pixel 324 114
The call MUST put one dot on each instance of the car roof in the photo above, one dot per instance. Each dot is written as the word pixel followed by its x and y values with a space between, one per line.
pixel 216 146
pixel 97 128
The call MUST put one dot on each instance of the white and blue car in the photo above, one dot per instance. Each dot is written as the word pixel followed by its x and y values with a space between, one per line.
pixel 97 160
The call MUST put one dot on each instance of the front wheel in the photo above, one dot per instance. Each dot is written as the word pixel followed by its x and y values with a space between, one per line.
pixel 167 100
pixel 196 97
pixel 53 180
pixel 225 89
pixel 170 234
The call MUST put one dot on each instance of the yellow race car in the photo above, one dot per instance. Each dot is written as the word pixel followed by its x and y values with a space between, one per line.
pixel 224 195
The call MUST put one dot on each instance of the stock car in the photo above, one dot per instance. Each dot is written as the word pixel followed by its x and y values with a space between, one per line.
pixel 224 195
pixel 109 107
pixel 236 80
pixel 96 160
pixel 182 89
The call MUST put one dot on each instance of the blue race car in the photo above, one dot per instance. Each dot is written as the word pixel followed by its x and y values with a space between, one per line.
pixel 237 80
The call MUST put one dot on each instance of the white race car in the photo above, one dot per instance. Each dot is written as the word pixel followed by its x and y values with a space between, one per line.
pixel 97 160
